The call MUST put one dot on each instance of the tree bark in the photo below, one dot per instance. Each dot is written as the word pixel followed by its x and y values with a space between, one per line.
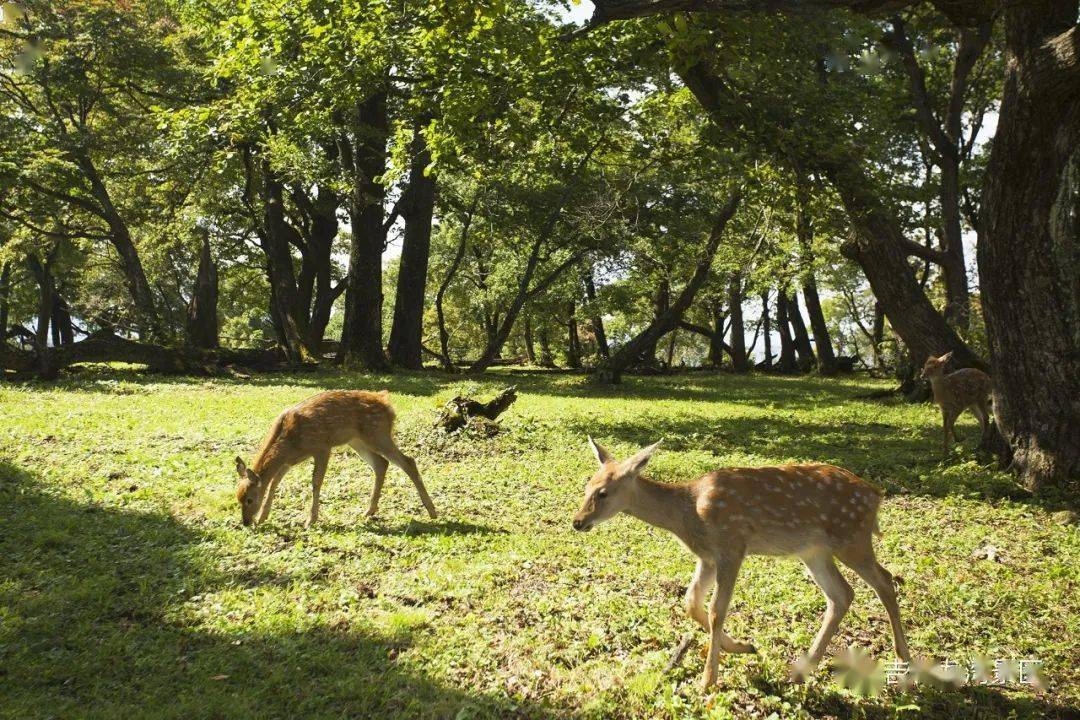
pixel 202 319
pixel 740 362
pixel 596 321
pixel 611 370
pixel 804 229
pixel 366 157
pixel 459 255
pixel 661 302
pixel 1030 250
pixel 407 329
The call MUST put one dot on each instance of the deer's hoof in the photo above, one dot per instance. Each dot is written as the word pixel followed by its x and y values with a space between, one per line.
pixel 800 670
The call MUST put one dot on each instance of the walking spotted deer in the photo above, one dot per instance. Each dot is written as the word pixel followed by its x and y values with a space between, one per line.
pixel 964 389
pixel 311 429
pixel 818 513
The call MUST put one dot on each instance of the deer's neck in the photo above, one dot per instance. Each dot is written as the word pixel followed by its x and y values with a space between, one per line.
pixel 268 463
pixel 663 505
pixel 937 386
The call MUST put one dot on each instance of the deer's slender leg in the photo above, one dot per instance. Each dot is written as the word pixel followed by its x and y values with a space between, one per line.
pixel 727 569
pixel 389 450
pixel 321 459
pixel 704 576
pixel 838 597
pixel 947 420
pixel 862 561
pixel 378 464
pixel 268 501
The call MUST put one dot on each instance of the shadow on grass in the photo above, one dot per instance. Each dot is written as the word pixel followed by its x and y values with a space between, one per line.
pixel 971 702
pixel 95 622
pixel 898 462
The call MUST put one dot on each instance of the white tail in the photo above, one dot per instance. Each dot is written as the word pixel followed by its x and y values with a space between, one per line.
pixel 311 429
pixel 819 513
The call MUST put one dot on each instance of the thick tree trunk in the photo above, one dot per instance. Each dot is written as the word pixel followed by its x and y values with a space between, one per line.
pixel 611 371
pixel 767 363
pixel 202 320
pixel 361 338
pixel 573 343
pixel 407 329
pixel 596 321
pixel 1030 250
pixel 740 362
pixel 717 346
pixel 318 264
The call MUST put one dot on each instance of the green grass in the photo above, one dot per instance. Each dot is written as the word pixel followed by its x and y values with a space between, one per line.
pixel 128 587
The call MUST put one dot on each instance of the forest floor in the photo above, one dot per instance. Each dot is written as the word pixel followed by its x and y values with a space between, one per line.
pixel 128 587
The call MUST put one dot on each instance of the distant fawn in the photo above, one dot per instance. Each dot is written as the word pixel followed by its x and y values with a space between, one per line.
pixel 815 512
pixel 311 429
pixel 965 389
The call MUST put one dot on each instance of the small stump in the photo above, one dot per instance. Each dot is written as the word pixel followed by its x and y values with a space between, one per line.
pixel 457 413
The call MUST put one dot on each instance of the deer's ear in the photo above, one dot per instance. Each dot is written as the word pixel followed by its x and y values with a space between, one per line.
pixel 946 357
pixel 602 455
pixel 640 459
pixel 241 468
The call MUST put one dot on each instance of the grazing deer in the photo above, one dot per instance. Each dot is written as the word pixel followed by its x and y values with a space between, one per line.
pixel 965 389
pixel 362 420
pixel 818 513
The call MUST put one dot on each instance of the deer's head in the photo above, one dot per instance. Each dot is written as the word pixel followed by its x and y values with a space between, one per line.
pixel 612 488
pixel 936 365
pixel 249 492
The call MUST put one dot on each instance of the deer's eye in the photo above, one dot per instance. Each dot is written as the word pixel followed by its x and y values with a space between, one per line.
pixel 601 493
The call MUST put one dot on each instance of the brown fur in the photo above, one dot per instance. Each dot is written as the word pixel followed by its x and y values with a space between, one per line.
pixel 816 512
pixel 965 389
pixel 311 429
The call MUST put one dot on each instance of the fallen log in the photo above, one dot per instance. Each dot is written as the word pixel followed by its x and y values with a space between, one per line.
pixel 460 409
pixel 107 347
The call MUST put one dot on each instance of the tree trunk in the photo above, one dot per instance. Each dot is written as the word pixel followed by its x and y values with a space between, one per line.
pixel 319 257
pixel 459 255
pixel 63 331
pixel 783 327
pixel 202 319
pixel 530 347
pixel 547 359
pixel 407 329
pixel 661 301
pixel 361 338
pixel 740 362
pixel 596 321
pixel 766 330
pixel 5 299
pixel 573 345
pixel 1030 251
pixel 878 335
pixel 146 320
pixel 611 371
pixel 276 240
pixel 822 341
pixel 803 349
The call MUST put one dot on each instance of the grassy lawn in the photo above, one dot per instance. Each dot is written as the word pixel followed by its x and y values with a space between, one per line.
pixel 128 587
